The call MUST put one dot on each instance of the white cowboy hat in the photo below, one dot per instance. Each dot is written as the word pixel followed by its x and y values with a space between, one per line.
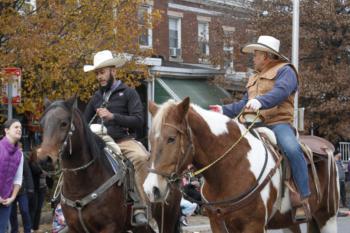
pixel 266 44
pixel 105 59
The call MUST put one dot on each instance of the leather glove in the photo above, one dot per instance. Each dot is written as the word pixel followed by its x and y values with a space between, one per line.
pixel 253 104
pixel 215 108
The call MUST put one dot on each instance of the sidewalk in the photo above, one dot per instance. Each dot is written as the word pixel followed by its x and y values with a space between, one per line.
pixel 197 224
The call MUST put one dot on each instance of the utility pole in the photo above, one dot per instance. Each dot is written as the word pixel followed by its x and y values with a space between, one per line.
pixel 295 53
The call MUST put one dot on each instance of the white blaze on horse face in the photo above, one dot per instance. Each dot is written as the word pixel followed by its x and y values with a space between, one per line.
pixel 217 122
pixel 154 181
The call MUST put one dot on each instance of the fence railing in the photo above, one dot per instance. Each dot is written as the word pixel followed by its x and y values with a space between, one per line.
pixel 344 149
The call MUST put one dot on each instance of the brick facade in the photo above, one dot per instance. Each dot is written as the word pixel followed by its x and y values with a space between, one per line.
pixel 218 16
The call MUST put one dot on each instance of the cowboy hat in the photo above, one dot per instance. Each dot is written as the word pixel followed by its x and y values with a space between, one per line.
pixel 266 44
pixel 105 59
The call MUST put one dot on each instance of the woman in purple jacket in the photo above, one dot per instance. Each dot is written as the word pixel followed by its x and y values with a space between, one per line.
pixel 11 169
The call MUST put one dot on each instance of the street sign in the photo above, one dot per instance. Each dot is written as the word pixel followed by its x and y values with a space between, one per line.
pixel 11 76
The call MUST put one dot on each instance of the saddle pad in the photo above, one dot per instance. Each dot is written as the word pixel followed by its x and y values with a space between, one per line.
pixel 112 160
pixel 316 144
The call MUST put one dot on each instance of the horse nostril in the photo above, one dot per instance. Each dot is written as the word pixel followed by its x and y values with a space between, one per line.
pixel 156 192
pixel 49 160
pixel 47 164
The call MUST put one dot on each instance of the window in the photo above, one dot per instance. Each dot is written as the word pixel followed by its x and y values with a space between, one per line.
pixel 203 38
pixel 143 14
pixel 228 47
pixel 175 37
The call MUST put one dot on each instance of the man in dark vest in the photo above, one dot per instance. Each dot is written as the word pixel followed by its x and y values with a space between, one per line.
pixel 272 89
pixel 120 109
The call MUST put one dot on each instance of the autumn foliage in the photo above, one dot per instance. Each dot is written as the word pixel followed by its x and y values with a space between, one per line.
pixel 52 43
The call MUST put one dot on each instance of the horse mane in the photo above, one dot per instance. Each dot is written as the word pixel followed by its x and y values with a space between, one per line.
pixel 161 113
pixel 95 144
pixel 215 121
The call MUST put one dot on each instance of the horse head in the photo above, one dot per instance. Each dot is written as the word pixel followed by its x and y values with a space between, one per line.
pixel 57 124
pixel 170 135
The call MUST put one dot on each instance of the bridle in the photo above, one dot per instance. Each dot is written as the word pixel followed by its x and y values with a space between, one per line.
pixel 175 176
pixel 87 199
pixel 68 141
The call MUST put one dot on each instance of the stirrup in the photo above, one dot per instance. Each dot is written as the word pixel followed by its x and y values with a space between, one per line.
pixel 135 208
pixel 304 214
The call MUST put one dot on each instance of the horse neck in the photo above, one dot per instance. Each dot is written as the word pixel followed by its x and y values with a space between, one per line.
pixel 82 182
pixel 209 147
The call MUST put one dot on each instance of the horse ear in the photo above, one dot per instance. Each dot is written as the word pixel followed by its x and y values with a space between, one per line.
pixel 152 107
pixel 72 102
pixel 47 102
pixel 183 107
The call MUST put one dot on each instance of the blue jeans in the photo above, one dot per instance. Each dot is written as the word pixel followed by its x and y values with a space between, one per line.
pixel 22 200
pixel 35 207
pixel 290 147
pixel 4 217
pixel 187 207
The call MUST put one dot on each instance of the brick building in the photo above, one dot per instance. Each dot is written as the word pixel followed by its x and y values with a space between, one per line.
pixel 200 31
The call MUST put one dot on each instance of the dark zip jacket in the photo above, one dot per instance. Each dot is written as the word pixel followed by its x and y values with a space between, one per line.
pixel 125 104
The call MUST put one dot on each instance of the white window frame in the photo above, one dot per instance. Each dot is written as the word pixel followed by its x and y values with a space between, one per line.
pixel 205 37
pixel 230 48
pixel 206 40
pixel 178 19
pixel 149 30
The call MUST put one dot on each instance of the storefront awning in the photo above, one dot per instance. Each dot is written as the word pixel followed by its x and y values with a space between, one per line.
pixel 200 91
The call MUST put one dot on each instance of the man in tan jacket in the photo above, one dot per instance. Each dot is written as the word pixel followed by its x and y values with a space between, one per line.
pixel 272 90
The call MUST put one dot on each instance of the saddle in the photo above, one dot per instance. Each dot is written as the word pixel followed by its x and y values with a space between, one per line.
pixel 319 146
pixel 315 149
pixel 118 162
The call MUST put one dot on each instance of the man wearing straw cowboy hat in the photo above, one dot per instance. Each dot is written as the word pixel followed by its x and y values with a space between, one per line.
pixel 272 89
pixel 120 109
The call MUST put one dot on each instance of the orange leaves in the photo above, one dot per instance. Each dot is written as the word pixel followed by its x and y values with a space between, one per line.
pixel 52 44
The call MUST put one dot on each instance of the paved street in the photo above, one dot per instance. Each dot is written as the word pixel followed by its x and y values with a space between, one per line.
pixel 200 224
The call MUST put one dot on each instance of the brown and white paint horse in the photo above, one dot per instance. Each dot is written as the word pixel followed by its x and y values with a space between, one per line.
pixel 177 127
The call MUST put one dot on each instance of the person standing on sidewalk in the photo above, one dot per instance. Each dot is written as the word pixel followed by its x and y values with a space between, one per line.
pixel 341 177
pixel 40 189
pixel 11 169
pixel 26 191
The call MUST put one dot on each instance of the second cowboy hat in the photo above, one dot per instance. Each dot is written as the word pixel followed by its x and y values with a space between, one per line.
pixel 267 44
pixel 105 59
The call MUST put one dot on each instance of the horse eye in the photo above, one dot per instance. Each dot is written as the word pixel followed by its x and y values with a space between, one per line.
pixel 64 124
pixel 171 140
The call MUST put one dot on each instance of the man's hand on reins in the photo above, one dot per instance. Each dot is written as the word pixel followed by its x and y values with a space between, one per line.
pixel 253 104
pixel 104 114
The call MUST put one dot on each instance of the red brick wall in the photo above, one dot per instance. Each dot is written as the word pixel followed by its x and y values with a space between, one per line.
pixel 189 33
pixel 189 37
pixel 161 32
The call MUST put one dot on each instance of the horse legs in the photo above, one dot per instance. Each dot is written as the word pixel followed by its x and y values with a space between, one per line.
pixel 312 226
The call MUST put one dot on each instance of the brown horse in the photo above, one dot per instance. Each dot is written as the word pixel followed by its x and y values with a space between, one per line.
pixel 93 195
pixel 243 190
